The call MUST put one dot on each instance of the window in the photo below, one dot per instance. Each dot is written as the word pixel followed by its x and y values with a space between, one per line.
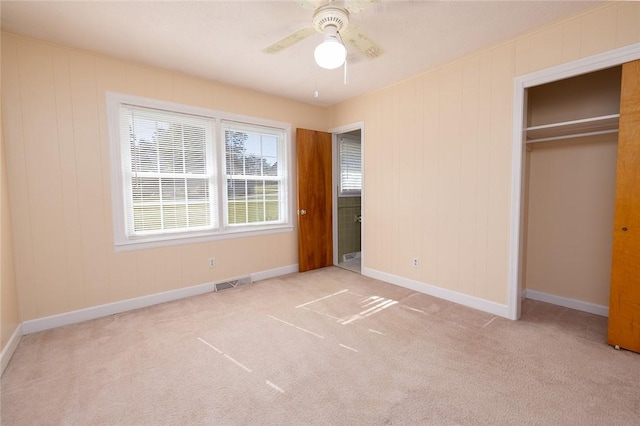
pixel 253 179
pixel 170 185
pixel 350 166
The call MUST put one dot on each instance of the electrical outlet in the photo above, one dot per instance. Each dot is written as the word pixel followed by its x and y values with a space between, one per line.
pixel 212 262
pixel 416 262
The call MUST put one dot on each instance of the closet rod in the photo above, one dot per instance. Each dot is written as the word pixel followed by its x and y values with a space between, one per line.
pixel 580 121
pixel 575 135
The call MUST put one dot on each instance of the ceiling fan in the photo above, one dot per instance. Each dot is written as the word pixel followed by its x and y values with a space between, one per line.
pixel 332 20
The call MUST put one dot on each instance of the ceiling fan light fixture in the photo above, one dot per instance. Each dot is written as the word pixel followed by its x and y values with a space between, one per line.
pixel 330 54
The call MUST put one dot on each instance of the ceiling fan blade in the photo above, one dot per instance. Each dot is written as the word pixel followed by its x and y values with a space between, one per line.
pixel 289 40
pixel 361 42
pixel 353 6
pixel 357 6
pixel 309 4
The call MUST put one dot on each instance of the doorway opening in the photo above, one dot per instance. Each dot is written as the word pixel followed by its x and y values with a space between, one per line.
pixel 347 197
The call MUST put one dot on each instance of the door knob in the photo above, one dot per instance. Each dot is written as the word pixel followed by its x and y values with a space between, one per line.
pixel 303 212
pixel 624 228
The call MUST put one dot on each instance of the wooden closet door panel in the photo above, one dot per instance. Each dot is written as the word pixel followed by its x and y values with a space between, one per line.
pixel 624 305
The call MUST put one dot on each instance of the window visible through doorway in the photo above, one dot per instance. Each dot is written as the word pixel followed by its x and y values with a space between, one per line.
pixel 350 165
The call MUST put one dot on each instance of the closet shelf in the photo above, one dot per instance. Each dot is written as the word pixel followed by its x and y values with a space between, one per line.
pixel 572 129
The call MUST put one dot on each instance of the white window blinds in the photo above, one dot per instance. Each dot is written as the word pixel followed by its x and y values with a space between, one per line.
pixel 350 166
pixel 168 171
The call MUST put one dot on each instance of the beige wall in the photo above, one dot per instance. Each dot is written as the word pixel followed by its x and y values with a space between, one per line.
pixel 570 222
pixel 59 179
pixel 441 143
pixel 9 315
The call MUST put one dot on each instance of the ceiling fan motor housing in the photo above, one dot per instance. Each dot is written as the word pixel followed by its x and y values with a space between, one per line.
pixel 330 16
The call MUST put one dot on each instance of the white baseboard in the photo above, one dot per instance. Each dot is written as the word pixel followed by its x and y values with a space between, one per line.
pixel 272 273
pixel 578 305
pixel 73 317
pixel 450 295
pixel 10 348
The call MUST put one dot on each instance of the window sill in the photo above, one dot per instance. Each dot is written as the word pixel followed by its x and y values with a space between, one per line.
pixel 201 237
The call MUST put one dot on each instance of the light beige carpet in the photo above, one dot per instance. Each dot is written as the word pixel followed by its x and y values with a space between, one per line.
pixel 326 347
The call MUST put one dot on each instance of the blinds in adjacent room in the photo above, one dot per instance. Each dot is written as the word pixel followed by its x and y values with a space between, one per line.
pixel 350 166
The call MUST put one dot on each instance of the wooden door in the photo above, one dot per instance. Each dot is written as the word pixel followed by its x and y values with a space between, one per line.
pixel 315 230
pixel 624 305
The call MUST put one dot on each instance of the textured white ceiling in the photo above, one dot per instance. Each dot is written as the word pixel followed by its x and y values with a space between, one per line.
pixel 222 40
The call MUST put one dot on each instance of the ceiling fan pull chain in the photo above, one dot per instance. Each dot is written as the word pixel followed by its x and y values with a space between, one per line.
pixel 346 76
pixel 315 91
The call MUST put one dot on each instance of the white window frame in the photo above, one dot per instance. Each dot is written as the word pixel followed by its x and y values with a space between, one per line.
pixel 123 242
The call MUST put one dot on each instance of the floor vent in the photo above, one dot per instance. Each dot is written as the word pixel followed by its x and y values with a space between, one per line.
pixel 232 284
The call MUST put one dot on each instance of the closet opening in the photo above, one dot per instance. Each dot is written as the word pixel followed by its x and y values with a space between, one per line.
pixel 569 183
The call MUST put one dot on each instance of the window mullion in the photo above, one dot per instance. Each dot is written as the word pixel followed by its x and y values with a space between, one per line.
pixel 160 195
pixel 185 182
pixel 222 195
pixel 264 199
